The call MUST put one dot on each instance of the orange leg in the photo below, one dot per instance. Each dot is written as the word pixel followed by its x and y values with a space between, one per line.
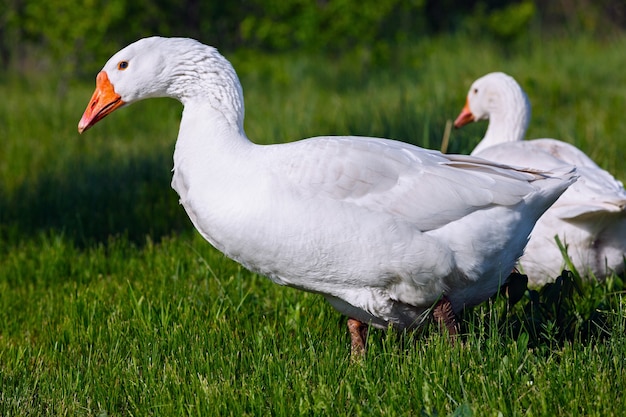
pixel 444 316
pixel 358 336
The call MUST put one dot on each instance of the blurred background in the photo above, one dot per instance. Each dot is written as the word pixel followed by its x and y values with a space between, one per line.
pixel 112 305
pixel 398 69
pixel 75 36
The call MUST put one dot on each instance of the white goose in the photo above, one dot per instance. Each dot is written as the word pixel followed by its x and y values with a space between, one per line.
pixel 382 229
pixel 590 217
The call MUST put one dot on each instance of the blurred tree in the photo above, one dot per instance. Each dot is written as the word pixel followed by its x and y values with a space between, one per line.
pixel 505 24
pixel 10 31
pixel 64 30
pixel 334 25
pixel 572 16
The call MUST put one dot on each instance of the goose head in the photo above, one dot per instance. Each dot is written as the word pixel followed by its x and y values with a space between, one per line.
pixel 179 68
pixel 497 97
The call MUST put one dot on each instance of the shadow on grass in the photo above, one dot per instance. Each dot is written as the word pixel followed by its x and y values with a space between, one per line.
pixel 567 310
pixel 89 201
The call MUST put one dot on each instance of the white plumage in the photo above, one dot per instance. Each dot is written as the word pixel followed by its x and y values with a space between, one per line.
pixel 590 217
pixel 382 229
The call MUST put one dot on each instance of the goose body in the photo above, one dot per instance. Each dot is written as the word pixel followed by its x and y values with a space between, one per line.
pixel 382 229
pixel 590 217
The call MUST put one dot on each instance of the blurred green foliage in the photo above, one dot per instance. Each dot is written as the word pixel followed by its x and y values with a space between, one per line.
pixel 507 23
pixel 333 25
pixel 75 36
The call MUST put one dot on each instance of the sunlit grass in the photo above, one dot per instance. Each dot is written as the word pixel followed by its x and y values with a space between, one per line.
pixel 110 304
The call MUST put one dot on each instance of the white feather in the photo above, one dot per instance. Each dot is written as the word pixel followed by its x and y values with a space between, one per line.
pixel 381 228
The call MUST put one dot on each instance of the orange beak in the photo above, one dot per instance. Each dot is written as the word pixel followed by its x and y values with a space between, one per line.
pixel 464 117
pixel 102 103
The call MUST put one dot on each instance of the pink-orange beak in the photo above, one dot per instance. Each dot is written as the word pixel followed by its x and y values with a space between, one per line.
pixel 103 101
pixel 464 117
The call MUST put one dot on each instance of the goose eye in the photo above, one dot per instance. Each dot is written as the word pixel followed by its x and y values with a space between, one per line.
pixel 476 91
pixel 122 65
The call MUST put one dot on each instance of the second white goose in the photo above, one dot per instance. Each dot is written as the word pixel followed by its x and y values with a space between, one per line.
pixel 590 217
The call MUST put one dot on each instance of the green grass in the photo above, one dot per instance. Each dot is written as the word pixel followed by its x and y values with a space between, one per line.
pixel 111 305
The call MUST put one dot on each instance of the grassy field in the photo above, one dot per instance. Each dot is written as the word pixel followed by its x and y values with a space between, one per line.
pixel 111 305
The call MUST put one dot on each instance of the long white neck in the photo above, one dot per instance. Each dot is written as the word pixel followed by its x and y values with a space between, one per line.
pixel 206 133
pixel 212 149
pixel 211 128
pixel 203 80
pixel 508 112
